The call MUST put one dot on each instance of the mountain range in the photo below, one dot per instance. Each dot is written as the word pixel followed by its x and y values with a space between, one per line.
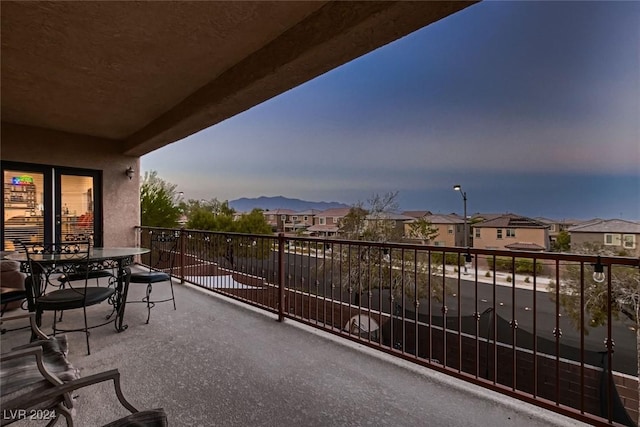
pixel 280 202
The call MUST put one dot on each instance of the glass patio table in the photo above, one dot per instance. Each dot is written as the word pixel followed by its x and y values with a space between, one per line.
pixel 99 258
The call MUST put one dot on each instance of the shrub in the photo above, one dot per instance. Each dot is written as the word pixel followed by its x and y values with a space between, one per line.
pixel 509 279
pixel 522 265
pixel 526 279
pixel 487 274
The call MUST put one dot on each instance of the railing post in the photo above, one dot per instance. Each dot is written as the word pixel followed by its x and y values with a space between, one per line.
pixel 183 245
pixel 280 277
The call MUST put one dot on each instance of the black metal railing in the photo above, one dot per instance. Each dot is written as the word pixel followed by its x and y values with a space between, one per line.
pixel 509 321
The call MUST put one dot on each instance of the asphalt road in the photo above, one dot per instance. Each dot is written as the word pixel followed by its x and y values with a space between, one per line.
pixel 467 299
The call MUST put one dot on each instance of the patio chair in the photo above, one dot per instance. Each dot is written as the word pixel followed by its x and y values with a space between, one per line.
pixel 37 380
pixel 47 259
pixel 163 248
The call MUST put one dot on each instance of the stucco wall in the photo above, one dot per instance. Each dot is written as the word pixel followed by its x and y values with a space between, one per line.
pixel 488 237
pixel 121 200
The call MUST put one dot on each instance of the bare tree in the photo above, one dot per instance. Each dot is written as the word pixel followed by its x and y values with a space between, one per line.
pixel 624 301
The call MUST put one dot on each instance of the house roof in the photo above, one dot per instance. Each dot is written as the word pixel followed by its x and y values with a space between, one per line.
pixel 444 219
pixel 333 212
pixel 607 226
pixel 390 216
pixel 280 212
pixel 511 221
pixel 309 212
pixel 417 214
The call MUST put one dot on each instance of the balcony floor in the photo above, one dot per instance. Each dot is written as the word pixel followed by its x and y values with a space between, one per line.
pixel 214 362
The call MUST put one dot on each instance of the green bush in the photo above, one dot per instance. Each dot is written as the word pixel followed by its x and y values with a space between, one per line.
pixel 509 279
pixel 487 274
pixel 450 259
pixel 522 265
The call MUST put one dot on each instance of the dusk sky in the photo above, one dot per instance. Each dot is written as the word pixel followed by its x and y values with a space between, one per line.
pixel 533 107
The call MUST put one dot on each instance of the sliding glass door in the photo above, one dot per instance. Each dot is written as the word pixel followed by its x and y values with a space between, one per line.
pixel 48 203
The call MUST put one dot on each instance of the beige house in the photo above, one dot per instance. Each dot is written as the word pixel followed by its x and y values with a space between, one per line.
pixel 327 222
pixel 300 221
pixel 556 226
pixel 513 232
pixel 615 234
pixel 449 228
pixel 278 219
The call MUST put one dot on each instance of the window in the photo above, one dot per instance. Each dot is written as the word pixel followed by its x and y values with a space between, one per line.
pixel 438 243
pixel 629 241
pixel 477 233
pixel 294 218
pixel 306 218
pixel 499 233
pixel 322 221
pixel 511 232
pixel 612 239
pixel 450 229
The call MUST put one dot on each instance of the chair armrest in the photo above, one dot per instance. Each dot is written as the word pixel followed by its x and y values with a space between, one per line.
pixel 32 351
pixel 32 321
pixel 65 388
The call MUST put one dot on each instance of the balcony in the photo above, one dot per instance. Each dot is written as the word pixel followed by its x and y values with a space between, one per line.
pixel 353 350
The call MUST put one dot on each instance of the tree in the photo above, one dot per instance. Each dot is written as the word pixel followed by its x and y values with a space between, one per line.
pixel 423 230
pixel 158 202
pixel 362 268
pixel 563 242
pixel 625 295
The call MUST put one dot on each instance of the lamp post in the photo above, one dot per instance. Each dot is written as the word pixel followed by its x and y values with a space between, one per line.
pixel 464 199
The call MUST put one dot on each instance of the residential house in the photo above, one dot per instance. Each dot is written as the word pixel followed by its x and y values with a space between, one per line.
pixel 394 221
pixel 556 226
pixel 513 232
pixel 300 221
pixel 278 219
pixel 327 222
pixel 616 234
pixel 449 229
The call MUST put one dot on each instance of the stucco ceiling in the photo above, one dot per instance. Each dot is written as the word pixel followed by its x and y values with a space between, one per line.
pixel 146 74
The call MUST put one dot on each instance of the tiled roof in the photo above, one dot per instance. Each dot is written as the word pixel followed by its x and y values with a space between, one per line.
pixel 445 219
pixel 525 246
pixel 416 214
pixel 334 212
pixel 511 221
pixel 279 212
pixel 607 226
pixel 390 216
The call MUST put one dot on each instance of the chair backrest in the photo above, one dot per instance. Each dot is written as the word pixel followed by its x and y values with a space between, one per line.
pixel 164 247
pixel 52 259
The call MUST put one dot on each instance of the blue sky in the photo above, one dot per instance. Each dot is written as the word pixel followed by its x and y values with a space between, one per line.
pixel 533 107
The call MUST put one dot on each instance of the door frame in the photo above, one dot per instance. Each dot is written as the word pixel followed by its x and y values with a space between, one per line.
pixel 52 197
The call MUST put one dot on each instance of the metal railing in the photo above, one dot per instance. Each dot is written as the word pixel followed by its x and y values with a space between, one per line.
pixel 505 320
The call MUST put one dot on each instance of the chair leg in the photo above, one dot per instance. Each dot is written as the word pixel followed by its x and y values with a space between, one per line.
pixel 55 316
pixel 86 329
pixel 173 297
pixel 149 303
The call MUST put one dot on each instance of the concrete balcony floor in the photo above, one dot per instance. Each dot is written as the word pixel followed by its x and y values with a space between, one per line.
pixel 214 362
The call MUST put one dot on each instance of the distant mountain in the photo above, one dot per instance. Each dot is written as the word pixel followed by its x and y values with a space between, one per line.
pixel 279 202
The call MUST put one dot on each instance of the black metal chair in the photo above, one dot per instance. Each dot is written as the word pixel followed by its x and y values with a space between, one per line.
pixel 71 258
pixel 161 262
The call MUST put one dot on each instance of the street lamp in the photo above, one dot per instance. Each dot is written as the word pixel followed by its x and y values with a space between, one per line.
pixel 464 198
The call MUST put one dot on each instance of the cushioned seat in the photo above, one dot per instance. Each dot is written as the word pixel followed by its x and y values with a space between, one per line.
pixel 149 277
pixel 68 299
pixel 163 250
pixel 74 257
